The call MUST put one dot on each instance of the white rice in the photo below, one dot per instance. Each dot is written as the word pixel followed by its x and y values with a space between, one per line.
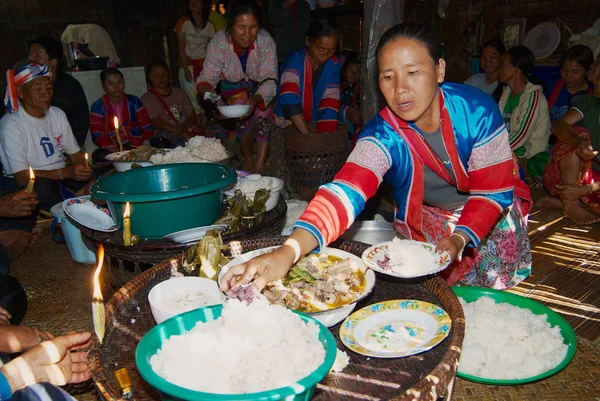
pixel 505 342
pixel 197 149
pixel 409 258
pixel 250 186
pixel 182 300
pixel 250 348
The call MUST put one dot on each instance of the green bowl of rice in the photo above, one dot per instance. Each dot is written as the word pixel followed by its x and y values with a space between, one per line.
pixel 155 340
pixel 554 320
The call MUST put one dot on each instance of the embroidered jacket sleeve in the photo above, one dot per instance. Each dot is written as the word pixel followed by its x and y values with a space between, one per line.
pixel 524 120
pixel 490 170
pixel 142 129
pixel 212 69
pixel 336 205
pixel 99 136
pixel 329 106
pixel 289 87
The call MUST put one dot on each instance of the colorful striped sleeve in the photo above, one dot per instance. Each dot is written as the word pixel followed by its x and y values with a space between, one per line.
pixel 100 138
pixel 525 117
pixel 336 205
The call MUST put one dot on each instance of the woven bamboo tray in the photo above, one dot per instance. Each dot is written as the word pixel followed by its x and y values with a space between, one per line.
pixel 125 262
pixel 426 376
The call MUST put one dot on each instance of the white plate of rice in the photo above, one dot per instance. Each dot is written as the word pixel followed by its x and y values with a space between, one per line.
pixel 405 258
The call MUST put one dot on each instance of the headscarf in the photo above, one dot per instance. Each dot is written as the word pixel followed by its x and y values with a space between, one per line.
pixel 16 78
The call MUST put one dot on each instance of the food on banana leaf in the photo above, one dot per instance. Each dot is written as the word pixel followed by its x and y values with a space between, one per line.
pixel 206 255
pixel 244 213
pixel 318 282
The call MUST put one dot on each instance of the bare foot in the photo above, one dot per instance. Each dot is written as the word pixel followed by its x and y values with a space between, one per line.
pixel 549 202
pixel 36 234
pixel 580 213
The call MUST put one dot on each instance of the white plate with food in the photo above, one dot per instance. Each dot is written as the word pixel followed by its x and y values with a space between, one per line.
pixel 193 234
pixel 326 285
pixel 90 215
pixel 405 258
pixel 120 164
pixel 397 328
pixel 234 111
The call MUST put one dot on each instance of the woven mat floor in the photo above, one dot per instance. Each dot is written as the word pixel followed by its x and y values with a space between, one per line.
pixel 566 277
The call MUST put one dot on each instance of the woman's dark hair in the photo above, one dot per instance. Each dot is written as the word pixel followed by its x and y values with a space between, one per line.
pixel 496 44
pixel 322 27
pixel 52 46
pixel 417 32
pixel 582 54
pixel 241 7
pixel 157 62
pixel 206 6
pixel 110 71
pixel 523 59
pixel 350 59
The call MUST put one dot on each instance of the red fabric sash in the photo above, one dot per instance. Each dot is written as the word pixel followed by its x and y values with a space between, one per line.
pixel 165 106
pixel 307 95
pixel 555 93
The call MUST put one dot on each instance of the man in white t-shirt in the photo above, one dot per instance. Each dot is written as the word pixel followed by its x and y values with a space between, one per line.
pixel 39 135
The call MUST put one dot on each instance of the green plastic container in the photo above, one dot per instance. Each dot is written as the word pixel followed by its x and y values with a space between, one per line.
pixel 470 294
pixel 167 198
pixel 152 341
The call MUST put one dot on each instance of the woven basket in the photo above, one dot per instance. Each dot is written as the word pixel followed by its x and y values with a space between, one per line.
pixel 419 377
pixel 313 160
pixel 125 262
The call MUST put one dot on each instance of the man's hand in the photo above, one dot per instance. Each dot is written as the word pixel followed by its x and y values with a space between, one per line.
pixel 19 204
pixel 78 173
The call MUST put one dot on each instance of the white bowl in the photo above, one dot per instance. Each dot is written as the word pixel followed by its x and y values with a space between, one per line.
pixel 161 297
pixel 122 165
pixel 275 191
pixel 234 111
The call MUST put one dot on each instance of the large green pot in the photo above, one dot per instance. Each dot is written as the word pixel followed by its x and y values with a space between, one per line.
pixel 302 390
pixel 166 198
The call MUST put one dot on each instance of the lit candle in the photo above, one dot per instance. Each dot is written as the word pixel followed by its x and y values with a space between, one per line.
pixel 97 300
pixel 87 160
pixel 126 226
pixel 31 182
pixel 116 122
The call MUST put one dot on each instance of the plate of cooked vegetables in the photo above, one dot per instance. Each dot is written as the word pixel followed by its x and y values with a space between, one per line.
pixel 326 285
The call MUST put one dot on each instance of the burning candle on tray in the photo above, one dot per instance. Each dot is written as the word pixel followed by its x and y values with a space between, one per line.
pixel 127 226
pixel 118 135
pixel 31 182
pixel 97 300
pixel 87 160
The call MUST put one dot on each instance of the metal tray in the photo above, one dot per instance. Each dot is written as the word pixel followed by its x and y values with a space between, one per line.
pixel 370 232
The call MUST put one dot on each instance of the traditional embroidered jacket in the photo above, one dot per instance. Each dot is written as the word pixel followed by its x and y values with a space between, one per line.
pixel 482 165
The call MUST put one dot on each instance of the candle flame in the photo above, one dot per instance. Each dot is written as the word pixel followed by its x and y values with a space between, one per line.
pixel 97 293
pixel 31 175
pixel 116 122
pixel 127 211
pixel 86 157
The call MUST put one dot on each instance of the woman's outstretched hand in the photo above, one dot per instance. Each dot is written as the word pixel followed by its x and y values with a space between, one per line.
pixel 454 244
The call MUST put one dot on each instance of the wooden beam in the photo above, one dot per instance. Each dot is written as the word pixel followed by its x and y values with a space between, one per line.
pixel 379 16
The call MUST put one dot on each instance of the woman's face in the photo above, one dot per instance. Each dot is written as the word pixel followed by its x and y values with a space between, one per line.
pixel 573 74
pixel 321 49
pixel 409 78
pixel 160 77
pixel 244 30
pixel 195 6
pixel 114 85
pixel 507 69
pixel 352 72
pixel 490 59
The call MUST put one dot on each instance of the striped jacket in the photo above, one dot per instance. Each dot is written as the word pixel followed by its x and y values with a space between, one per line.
pixel 530 121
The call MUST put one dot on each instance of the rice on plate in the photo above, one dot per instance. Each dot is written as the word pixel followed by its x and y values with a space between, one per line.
pixel 198 149
pixel 276 349
pixel 505 342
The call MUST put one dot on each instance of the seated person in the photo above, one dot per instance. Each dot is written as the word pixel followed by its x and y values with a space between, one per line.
pixel 573 173
pixel 524 106
pixel 169 108
pixel 36 134
pixel 490 61
pixel 242 60
pixel 68 93
pixel 46 370
pixel 135 126
pixel 572 85
pixel 350 93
